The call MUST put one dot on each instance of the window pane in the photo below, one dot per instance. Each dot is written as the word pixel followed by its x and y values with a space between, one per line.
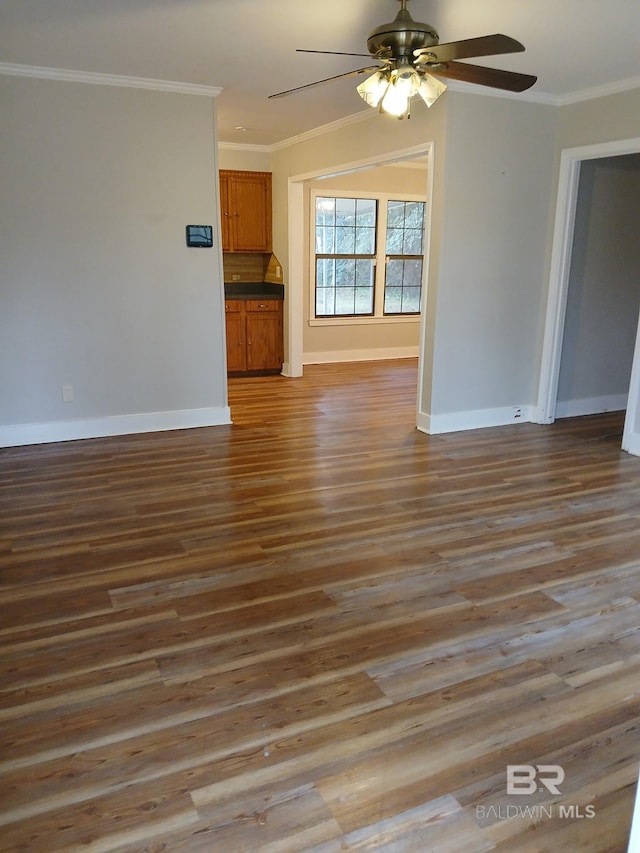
pixel 393 300
pixel 414 214
pixel 411 300
pixel 365 241
pixel 364 273
pixel 325 238
pixel 394 273
pixel 364 300
pixel 345 241
pixel 366 212
pixel 325 211
pixel 395 214
pixel 394 241
pixel 412 241
pixel 345 211
pixel 345 300
pixel 412 274
pixel 345 272
pixel 325 273
pixel 325 301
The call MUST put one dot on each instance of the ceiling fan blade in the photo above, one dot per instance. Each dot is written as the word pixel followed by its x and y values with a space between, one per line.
pixel 331 52
pixel 370 68
pixel 481 46
pixel 480 74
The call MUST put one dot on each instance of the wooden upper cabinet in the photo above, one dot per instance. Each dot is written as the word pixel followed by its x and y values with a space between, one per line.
pixel 245 198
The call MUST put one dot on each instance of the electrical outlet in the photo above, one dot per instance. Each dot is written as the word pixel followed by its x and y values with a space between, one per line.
pixel 67 393
pixel 278 272
pixel 235 277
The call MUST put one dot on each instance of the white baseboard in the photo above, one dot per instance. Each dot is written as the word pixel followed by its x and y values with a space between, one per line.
pixel 591 406
pixel 631 443
pixel 44 433
pixel 476 419
pixel 289 372
pixel 335 356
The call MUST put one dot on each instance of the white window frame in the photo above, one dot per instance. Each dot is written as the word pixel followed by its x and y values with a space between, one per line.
pixel 378 315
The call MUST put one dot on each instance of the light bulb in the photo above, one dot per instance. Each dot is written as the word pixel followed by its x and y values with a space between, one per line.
pixel 395 101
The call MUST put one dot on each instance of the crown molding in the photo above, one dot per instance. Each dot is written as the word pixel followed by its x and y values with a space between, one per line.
pixel 70 76
pixel 245 146
pixel 614 88
pixel 301 137
pixel 354 118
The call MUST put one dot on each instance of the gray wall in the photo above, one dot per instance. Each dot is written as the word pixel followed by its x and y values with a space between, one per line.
pixel 604 288
pixel 497 204
pixel 97 287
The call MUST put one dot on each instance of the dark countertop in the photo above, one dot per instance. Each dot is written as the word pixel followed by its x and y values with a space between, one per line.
pixel 253 290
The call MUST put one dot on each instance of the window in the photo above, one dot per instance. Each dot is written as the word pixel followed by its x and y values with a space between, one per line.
pixel 405 238
pixel 368 258
pixel 345 255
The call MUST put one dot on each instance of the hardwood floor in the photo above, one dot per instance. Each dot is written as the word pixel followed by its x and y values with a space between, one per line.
pixel 320 630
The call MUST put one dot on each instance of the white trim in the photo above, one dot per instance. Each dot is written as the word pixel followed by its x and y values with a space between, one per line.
pixel 476 419
pixel 246 147
pixel 631 444
pixel 558 287
pixel 630 438
pixel 44 433
pixel 422 345
pixel 634 835
pixel 591 406
pixel 69 76
pixel 336 356
pixel 372 320
pixel 332 126
pixel 568 180
pixel 294 302
pixel 602 91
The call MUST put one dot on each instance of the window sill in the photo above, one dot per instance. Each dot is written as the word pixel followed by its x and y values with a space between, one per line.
pixel 363 321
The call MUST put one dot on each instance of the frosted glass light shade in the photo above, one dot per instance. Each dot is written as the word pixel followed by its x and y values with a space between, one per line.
pixel 392 90
pixel 430 89
pixel 373 88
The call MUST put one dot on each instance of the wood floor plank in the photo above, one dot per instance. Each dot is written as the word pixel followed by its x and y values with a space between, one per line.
pixel 319 630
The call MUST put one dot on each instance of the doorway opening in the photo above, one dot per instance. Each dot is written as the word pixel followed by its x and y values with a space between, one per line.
pixel 298 234
pixel 560 311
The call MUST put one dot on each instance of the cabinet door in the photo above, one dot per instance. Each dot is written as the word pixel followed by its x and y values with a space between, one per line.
pixel 236 338
pixel 246 207
pixel 225 212
pixel 264 340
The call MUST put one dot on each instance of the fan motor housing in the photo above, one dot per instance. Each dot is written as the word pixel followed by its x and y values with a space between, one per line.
pixel 401 36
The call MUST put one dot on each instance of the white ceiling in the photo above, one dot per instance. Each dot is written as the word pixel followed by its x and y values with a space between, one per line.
pixel 247 47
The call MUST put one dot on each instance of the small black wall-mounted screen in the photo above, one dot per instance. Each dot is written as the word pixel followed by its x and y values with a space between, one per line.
pixel 200 236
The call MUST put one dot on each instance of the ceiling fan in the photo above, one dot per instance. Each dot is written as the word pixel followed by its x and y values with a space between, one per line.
pixel 412 59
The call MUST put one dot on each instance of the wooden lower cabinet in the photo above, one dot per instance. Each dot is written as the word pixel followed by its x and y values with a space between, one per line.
pixel 254 336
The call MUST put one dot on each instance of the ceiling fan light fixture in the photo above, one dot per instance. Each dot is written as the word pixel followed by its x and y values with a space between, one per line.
pixel 430 89
pixel 391 90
